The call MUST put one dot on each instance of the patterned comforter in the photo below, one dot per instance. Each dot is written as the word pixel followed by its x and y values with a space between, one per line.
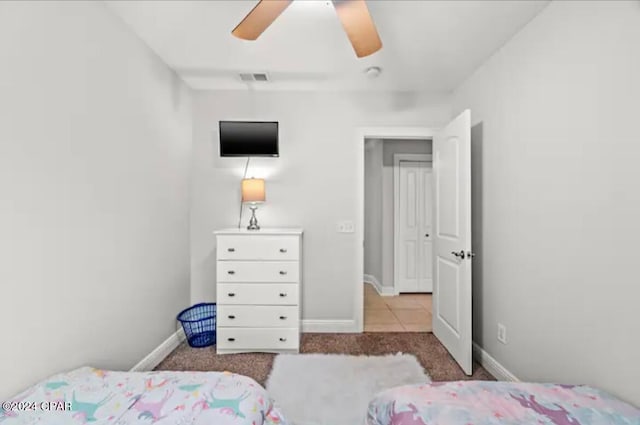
pixel 498 403
pixel 94 396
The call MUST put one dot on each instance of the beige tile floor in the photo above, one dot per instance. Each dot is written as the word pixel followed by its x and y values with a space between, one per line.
pixel 401 313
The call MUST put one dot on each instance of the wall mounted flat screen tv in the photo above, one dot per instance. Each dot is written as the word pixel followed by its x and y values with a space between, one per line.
pixel 248 138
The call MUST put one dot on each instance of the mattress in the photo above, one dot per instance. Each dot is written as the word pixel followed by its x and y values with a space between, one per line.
pixel 498 403
pixel 95 396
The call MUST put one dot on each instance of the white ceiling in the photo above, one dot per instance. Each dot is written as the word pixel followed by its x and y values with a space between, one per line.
pixel 427 45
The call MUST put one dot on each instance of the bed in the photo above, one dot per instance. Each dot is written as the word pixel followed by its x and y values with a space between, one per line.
pixel 498 403
pixel 95 396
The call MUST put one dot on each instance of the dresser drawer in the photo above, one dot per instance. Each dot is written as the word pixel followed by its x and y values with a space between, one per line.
pixel 257 339
pixel 257 316
pixel 258 293
pixel 258 247
pixel 258 271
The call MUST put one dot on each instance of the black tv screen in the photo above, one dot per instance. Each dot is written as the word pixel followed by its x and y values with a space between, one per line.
pixel 248 138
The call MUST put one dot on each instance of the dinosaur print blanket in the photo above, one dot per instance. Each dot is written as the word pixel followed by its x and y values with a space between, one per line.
pixel 95 396
pixel 498 403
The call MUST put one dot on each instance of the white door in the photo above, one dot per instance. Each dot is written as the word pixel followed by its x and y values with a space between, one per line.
pixel 414 224
pixel 452 241
pixel 425 232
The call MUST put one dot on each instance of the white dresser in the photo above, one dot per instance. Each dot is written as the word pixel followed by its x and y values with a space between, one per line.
pixel 259 274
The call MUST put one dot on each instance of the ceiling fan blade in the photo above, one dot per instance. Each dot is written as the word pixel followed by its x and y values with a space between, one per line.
pixel 359 26
pixel 259 19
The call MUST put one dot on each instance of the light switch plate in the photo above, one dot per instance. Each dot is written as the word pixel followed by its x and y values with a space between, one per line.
pixel 346 227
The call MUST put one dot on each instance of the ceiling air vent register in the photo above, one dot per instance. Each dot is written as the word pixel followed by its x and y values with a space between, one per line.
pixel 259 76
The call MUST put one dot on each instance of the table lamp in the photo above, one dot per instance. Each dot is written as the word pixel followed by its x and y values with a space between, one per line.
pixel 253 194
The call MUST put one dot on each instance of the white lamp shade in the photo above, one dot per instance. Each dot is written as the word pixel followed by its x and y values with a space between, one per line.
pixel 253 190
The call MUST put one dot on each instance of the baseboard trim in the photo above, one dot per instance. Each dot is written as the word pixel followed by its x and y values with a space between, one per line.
pixel 329 326
pixel 154 358
pixel 384 291
pixel 500 372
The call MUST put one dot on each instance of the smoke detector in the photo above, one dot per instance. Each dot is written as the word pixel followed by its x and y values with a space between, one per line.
pixel 373 72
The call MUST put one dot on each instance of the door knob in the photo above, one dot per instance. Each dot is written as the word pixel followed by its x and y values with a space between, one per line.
pixel 231 294
pixel 283 294
pixel 283 250
pixel 283 317
pixel 426 235
pixel 231 272
pixel 283 339
pixel 231 339
pixel 282 272
pixel 460 254
pixel 232 317
pixel 231 249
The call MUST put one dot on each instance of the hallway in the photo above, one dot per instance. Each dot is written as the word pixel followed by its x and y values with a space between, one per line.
pixel 400 313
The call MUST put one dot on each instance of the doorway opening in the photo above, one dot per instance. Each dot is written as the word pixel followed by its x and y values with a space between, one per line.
pixel 398 205
pixel 452 254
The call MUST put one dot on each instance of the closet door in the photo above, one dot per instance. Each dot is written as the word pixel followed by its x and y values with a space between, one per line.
pixel 425 232
pixel 413 254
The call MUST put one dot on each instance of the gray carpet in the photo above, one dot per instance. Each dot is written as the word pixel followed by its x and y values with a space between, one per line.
pixel 435 359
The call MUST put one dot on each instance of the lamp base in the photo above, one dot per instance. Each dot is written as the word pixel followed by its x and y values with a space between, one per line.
pixel 253 221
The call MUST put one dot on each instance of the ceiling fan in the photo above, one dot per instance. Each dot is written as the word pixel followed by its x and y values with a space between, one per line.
pixel 353 14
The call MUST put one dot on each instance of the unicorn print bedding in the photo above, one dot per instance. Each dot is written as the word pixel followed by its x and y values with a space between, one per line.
pixel 498 403
pixel 95 396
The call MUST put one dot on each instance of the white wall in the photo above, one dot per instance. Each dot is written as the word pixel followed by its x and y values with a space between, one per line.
pixel 390 148
pixel 556 152
pixel 373 209
pixel 312 184
pixel 95 137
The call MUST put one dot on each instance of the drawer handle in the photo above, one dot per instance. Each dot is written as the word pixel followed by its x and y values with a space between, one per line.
pixel 283 294
pixel 231 249
pixel 283 272
pixel 232 317
pixel 231 272
pixel 283 339
pixel 231 339
pixel 283 317
pixel 231 294
pixel 283 250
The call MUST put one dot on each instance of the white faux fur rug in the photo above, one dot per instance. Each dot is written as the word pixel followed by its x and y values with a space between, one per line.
pixel 334 389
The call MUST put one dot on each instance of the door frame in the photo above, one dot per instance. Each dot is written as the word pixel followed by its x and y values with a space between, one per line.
pixel 363 133
pixel 397 158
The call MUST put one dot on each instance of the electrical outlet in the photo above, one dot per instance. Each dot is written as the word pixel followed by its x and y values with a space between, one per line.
pixel 502 333
pixel 346 227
